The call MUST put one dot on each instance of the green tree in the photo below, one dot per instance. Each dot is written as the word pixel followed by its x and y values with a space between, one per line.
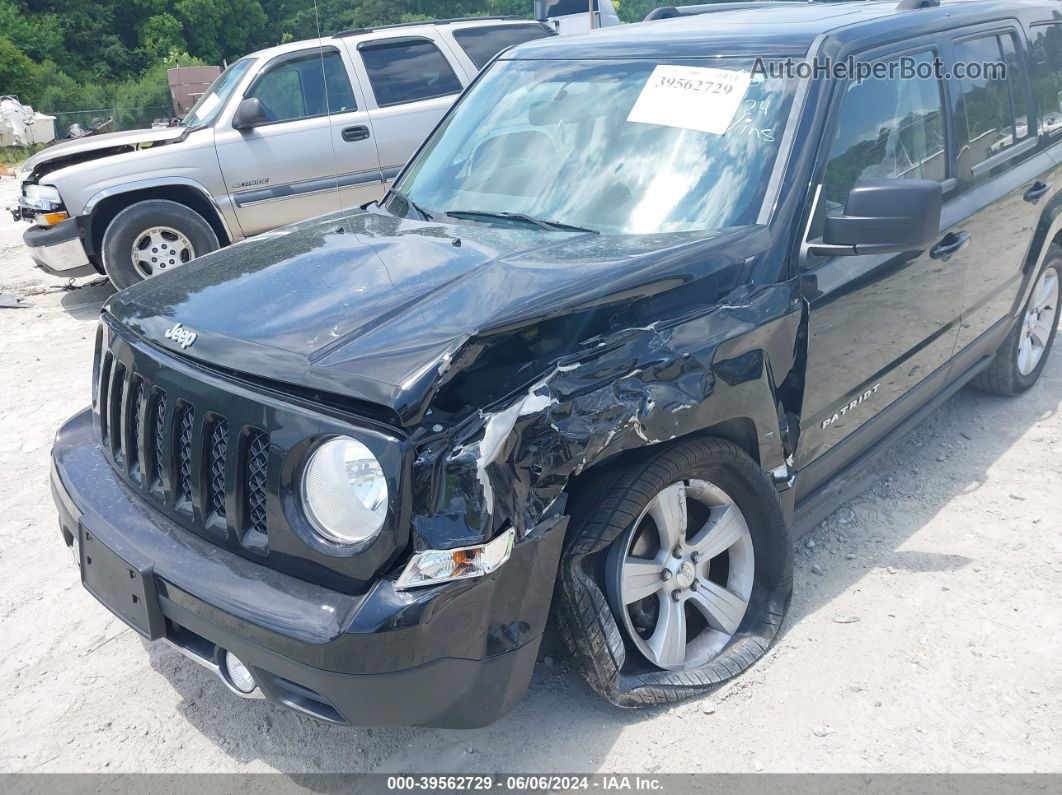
pixel 17 72
pixel 103 55
pixel 635 10
pixel 37 35
pixel 221 29
pixel 162 33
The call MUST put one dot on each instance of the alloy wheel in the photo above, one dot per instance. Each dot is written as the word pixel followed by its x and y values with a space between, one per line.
pixel 1041 317
pixel 160 248
pixel 681 578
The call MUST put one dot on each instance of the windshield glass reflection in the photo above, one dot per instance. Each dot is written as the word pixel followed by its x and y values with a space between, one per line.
pixel 553 142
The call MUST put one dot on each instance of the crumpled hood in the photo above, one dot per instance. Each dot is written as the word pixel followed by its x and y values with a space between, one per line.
pixel 374 307
pixel 91 143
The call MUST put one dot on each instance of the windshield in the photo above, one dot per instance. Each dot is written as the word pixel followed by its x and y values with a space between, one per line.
pixel 207 108
pixel 616 147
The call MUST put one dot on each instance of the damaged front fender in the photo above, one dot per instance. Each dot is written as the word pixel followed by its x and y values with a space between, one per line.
pixel 729 366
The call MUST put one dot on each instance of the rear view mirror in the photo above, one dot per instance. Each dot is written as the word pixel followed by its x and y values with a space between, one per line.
pixel 249 114
pixel 888 216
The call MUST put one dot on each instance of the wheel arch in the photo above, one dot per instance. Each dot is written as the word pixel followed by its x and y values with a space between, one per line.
pixel 1056 240
pixel 1048 233
pixel 741 431
pixel 105 205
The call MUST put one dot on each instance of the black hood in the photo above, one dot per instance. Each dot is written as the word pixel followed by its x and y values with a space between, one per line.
pixel 376 308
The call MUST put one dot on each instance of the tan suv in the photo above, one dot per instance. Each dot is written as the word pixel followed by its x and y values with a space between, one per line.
pixel 283 134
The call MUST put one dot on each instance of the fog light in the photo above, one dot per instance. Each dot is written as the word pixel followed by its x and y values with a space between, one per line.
pixel 238 674
pixel 434 566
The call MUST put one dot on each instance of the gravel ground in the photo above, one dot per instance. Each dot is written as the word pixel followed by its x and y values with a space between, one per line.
pixel 924 635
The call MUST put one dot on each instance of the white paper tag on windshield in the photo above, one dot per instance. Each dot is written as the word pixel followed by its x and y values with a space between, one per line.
pixel 208 105
pixel 691 98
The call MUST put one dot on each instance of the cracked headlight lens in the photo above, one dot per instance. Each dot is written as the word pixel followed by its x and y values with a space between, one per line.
pixel 344 492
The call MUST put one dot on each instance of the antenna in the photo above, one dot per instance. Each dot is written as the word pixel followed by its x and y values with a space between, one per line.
pixel 328 106
pixel 912 5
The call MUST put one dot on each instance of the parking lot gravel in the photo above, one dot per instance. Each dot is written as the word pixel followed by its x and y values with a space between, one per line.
pixel 925 634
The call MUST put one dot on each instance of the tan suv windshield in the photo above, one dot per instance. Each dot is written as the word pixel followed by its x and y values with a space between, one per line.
pixel 206 110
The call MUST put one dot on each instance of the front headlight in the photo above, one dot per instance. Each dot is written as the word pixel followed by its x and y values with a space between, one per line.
pixel 344 492
pixel 44 197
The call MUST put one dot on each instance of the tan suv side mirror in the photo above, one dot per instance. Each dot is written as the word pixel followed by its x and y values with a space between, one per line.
pixel 249 114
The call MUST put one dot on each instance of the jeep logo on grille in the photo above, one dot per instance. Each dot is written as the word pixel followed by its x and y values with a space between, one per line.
pixel 182 336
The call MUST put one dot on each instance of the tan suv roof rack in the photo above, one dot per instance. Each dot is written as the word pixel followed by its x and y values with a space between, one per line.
pixel 359 31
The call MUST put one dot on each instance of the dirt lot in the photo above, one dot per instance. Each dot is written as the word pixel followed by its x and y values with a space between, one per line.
pixel 924 636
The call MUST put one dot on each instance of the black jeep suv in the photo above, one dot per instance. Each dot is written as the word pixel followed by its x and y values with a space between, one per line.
pixel 641 298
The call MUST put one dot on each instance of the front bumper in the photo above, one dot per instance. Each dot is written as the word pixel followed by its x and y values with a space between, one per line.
pixel 58 250
pixel 457 655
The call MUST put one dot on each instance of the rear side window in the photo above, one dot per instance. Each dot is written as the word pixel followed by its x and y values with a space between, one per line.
pixel 1047 76
pixel 482 44
pixel 563 8
pixel 296 88
pixel 407 70
pixel 992 114
pixel 888 129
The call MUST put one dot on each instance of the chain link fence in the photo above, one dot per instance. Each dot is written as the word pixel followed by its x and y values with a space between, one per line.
pixel 121 118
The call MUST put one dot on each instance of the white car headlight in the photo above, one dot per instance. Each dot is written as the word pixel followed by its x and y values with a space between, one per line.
pixel 42 195
pixel 344 492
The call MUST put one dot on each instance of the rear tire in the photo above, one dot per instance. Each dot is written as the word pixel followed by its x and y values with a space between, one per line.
pixel 162 235
pixel 1024 353
pixel 604 518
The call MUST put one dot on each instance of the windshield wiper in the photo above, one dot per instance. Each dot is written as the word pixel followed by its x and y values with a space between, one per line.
pixel 541 223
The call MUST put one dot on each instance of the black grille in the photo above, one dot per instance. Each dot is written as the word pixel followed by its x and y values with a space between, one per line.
pixel 117 390
pixel 217 456
pixel 179 464
pixel 136 432
pixel 218 445
pixel 255 493
pixel 105 402
pixel 199 455
pixel 159 434
pixel 182 444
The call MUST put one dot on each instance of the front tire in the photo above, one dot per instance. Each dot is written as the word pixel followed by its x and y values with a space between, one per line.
pixel 150 237
pixel 701 495
pixel 1023 355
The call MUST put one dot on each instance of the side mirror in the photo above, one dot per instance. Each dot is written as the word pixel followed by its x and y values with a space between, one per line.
pixel 541 10
pixel 887 216
pixel 249 114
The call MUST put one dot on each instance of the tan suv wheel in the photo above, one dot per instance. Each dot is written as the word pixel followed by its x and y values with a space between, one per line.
pixel 152 237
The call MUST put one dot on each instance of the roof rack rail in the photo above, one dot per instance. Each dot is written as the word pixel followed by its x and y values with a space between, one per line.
pixel 671 12
pixel 359 31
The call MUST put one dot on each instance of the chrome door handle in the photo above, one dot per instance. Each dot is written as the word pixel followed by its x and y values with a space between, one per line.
pixel 1037 192
pixel 952 244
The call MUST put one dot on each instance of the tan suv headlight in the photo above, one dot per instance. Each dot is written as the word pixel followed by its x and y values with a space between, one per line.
pixel 43 196
pixel 45 199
